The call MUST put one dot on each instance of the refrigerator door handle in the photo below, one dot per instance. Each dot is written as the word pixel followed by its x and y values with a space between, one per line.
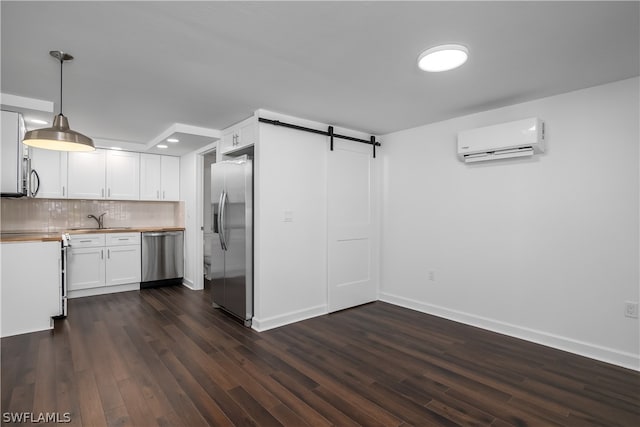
pixel 221 218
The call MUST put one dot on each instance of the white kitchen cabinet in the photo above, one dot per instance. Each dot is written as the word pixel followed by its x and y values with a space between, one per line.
pixel 30 296
pixel 239 136
pixel 86 268
pixel 149 176
pixel 123 262
pixel 122 265
pixel 86 174
pixel 99 263
pixel 104 174
pixel 51 167
pixel 122 175
pixel 170 178
pixel 159 177
pixel 85 262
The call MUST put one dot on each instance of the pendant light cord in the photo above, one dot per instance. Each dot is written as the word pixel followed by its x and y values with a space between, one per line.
pixel 61 62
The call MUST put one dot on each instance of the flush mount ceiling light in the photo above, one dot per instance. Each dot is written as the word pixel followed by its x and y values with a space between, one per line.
pixel 59 136
pixel 173 140
pixel 162 146
pixel 443 58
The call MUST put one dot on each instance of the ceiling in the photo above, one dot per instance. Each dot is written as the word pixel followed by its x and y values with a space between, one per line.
pixel 143 68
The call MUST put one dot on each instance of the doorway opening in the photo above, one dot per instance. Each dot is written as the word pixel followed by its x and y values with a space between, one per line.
pixel 207 217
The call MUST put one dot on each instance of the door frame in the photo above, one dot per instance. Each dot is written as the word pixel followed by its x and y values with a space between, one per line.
pixel 198 280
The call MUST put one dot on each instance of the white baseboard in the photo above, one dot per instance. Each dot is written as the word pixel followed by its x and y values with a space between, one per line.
pixel 188 284
pixel 604 354
pixel 261 325
pixel 103 290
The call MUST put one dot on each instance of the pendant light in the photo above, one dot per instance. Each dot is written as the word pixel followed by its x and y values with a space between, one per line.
pixel 59 137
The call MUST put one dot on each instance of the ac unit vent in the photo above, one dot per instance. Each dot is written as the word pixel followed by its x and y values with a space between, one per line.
pixel 507 140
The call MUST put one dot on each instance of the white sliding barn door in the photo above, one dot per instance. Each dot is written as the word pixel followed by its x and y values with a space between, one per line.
pixel 351 225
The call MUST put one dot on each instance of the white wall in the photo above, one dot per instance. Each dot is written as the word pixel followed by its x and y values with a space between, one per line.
pixel 190 190
pixel 290 278
pixel 290 257
pixel 544 248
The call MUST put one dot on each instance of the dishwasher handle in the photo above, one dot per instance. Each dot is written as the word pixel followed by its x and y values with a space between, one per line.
pixel 162 234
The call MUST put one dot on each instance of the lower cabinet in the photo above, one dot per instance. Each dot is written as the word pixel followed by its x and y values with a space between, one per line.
pixel 103 263
pixel 122 265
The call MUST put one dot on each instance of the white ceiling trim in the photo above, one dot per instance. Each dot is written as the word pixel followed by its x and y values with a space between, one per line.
pixel 22 102
pixel 183 128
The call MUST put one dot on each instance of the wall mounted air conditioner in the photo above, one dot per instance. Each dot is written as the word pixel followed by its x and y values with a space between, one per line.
pixel 513 139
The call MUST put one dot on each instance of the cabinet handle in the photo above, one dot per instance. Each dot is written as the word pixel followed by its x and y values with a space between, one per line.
pixel 63 195
pixel 158 194
pixel 102 192
pixel 109 253
pixel 109 193
pixel 101 253
pixel 123 238
pixel 85 241
pixel 163 195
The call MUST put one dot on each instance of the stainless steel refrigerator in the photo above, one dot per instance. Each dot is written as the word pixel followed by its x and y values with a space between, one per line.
pixel 232 251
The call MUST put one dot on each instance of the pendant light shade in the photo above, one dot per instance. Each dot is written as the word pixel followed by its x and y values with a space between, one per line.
pixel 59 137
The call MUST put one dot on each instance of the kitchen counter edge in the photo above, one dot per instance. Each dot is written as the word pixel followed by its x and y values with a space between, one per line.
pixel 37 236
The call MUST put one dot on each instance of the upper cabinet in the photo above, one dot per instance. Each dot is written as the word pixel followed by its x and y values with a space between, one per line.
pixel 159 177
pixel 104 174
pixel 239 136
pixel 50 173
pixel 123 175
pixel 170 178
pixel 149 177
pixel 86 174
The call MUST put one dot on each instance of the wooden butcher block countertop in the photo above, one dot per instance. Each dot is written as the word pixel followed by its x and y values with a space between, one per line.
pixel 45 236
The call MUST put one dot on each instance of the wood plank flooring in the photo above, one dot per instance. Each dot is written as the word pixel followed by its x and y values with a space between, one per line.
pixel 164 357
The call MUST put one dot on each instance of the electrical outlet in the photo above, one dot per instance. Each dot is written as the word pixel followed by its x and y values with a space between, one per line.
pixel 631 309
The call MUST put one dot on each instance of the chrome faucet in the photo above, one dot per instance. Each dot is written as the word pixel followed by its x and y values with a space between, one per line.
pixel 99 219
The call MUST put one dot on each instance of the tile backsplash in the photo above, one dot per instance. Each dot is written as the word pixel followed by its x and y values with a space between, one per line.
pixel 59 214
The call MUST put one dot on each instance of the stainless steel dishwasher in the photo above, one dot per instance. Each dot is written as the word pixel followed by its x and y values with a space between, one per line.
pixel 162 258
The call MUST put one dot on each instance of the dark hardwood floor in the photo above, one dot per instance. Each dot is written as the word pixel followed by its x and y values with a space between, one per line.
pixel 165 357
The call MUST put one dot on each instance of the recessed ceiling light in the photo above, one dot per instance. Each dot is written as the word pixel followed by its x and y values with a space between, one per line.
pixel 115 148
pixel 443 58
pixel 173 140
pixel 162 146
pixel 38 122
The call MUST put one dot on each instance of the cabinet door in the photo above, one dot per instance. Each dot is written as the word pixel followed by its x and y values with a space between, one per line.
pixel 170 167
pixel 86 175
pixel 123 265
pixel 86 268
pixel 228 142
pixel 51 167
pixel 150 177
pixel 123 175
pixel 239 136
pixel 246 134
